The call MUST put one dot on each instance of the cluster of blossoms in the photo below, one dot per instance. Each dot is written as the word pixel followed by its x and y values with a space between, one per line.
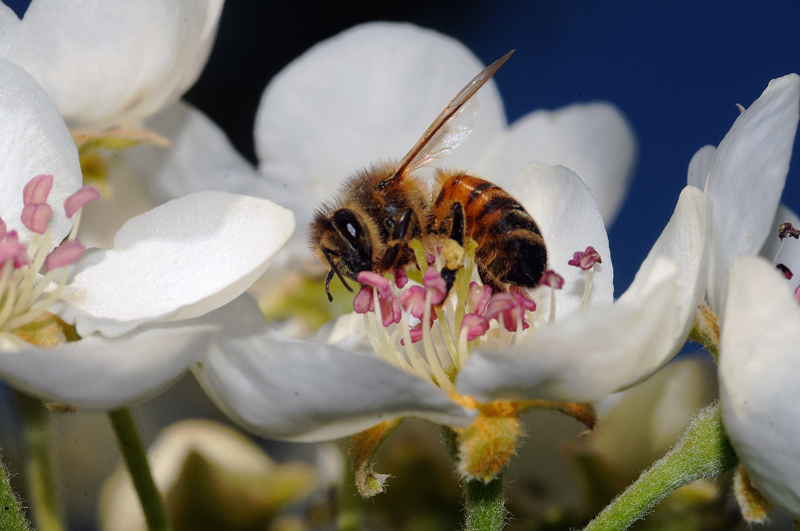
pixel 463 359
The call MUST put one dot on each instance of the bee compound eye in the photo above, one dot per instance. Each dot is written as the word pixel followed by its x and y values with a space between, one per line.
pixel 348 226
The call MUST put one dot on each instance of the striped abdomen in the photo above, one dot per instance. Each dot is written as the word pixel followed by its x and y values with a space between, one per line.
pixel 511 250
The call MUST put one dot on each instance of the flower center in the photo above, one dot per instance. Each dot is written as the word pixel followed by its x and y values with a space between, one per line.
pixel 427 331
pixel 28 270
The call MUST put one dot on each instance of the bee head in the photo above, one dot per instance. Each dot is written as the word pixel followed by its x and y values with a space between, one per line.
pixel 342 241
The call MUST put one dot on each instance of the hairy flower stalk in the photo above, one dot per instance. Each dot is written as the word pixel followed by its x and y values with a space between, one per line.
pixel 28 271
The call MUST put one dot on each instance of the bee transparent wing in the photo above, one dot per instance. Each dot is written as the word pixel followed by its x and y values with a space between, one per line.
pixel 449 136
pixel 452 126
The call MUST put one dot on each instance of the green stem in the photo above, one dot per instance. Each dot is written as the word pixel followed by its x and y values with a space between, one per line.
pixel 133 452
pixel 703 451
pixel 350 502
pixel 44 504
pixel 11 515
pixel 484 505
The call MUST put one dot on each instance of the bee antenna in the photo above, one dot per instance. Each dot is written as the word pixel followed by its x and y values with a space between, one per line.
pixel 333 270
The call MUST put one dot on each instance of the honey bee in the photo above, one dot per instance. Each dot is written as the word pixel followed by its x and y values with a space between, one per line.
pixel 380 210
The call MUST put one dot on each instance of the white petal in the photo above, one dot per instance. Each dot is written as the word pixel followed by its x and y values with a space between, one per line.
pixel 699 167
pixel 685 241
pixel 570 221
pixel 199 158
pixel 180 260
pixel 286 389
pixel 591 353
pixel 115 63
pixel 599 350
pixel 747 177
pixel 594 140
pixel 758 379
pixel 98 373
pixel 365 95
pixel 34 140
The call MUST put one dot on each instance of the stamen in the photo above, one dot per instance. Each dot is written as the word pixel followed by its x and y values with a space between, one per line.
pixel 784 231
pixel 400 277
pixel 362 302
pixel 554 281
pixel 430 353
pixel 22 287
pixel 77 200
pixel 11 248
pixel 413 301
pixel 586 261
pixel 28 274
pixel 444 329
pixel 587 287
pixel 37 190
pixel 383 348
pixel 785 270
pixel 35 217
pixel 375 280
pixel 480 297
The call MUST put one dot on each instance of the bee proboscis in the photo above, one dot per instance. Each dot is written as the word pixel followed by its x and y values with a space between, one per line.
pixel 380 210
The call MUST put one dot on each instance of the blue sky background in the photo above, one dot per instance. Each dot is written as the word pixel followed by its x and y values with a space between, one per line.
pixel 676 69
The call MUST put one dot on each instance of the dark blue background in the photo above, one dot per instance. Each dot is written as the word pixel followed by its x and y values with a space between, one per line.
pixel 676 69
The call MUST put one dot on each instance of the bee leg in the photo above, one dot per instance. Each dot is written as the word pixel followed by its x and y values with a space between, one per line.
pixel 457 223
pixel 401 235
pixel 457 234
pixel 328 285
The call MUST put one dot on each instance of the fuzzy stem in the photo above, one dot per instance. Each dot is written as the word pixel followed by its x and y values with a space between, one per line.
pixel 351 504
pixel 11 515
pixel 484 505
pixel 38 465
pixel 703 451
pixel 133 452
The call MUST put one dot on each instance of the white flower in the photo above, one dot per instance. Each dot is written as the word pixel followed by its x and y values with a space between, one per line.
pixel 744 178
pixel 111 63
pixel 369 93
pixel 583 350
pixel 132 304
pixel 759 325
pixel 759 392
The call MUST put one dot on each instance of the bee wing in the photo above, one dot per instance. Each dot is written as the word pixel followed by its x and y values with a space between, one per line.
pixel 451 127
